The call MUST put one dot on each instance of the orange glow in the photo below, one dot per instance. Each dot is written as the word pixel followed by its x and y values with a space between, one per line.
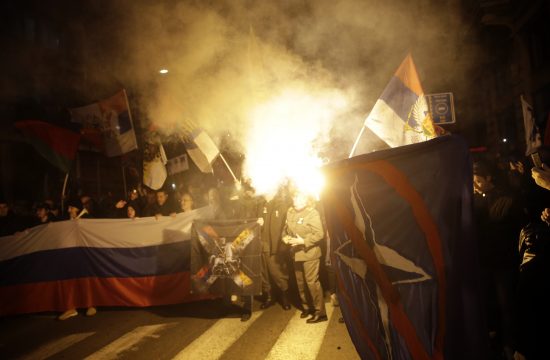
pixel 285 134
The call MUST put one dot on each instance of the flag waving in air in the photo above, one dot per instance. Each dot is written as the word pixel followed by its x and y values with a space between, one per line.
pixel 401 116
pixel 108 124
pixel 55 144
pixel 202 149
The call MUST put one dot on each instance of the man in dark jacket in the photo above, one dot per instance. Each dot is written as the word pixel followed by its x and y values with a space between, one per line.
pixel 165 206
pixel 499 218
pixel 275 254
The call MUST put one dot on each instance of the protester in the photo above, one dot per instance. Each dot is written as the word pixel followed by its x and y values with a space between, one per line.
pixel 7 219
pixel 499 218
pixel 132 210
pixel 303 232
pixel 165 206
pixel 149 203
pixel 43 213
pixel 275 254
pixel 76 211
pixel 533 285
pixel 186 202
pixel 120 209
pixel 55 211
pixel 91 207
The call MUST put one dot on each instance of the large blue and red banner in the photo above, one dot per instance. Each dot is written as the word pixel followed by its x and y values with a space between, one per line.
pixel 402 244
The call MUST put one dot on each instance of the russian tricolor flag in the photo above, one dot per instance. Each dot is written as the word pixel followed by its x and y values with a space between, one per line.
pixel 401 115
pixel 98 262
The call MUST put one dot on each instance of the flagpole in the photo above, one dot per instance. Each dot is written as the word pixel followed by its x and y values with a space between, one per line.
pixel 124 178
pixel 357 141
pixel 231 171
pixel 63 193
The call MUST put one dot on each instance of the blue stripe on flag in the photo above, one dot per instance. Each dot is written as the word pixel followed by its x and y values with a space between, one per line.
pixel 400 98
pixel 124 122
pixel 70 263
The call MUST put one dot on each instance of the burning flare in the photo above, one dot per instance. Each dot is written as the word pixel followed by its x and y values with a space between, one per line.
pixel 285 135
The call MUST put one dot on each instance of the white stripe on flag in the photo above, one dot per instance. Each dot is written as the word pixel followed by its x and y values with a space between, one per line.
pixel 215 341
pixel 386 124
pixel 300 339
pixel 127 341
pixel 56 346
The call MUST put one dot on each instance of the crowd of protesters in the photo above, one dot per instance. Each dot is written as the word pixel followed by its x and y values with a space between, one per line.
pixel 291 252
pixel 513 232
pixel 511 216
pixel 139 202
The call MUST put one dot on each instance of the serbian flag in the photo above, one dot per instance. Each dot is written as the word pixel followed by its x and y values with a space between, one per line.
pixel 402 244
pixel 55 144
pixel 202 149
pixel 401 115
pixel 532 135
pixel 107 124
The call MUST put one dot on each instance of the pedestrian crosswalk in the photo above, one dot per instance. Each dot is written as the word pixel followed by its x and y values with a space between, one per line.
pixel 279 334
pixel 53 347
pixel 128 341
pixel 216 340
pixel 300 339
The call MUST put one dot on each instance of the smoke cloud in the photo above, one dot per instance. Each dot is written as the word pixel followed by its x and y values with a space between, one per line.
pixel 227 58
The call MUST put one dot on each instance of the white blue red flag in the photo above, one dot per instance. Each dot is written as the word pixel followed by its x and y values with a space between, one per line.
pixel 401 240
pixel 98 262
pixel 107 124
pixel 401 115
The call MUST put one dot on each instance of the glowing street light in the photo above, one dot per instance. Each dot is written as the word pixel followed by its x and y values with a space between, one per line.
pixel 163 71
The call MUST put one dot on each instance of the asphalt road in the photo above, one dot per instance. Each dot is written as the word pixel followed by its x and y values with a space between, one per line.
pixel 201 330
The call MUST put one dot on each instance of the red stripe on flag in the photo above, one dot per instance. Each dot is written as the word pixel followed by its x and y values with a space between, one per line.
pixel 62 295
pixel 62 141
pixel 400 183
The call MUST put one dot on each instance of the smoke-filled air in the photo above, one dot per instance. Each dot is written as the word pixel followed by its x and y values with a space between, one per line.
pixel 290 81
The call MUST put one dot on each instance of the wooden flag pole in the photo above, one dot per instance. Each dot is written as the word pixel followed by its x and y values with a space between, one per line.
pixel 63 193
pixel 356 141
pixel 123 177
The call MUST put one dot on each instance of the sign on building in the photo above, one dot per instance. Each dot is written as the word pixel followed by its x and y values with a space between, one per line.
pixel 442 108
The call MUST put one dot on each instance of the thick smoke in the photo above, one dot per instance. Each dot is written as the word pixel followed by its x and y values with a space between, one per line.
pixel 226 58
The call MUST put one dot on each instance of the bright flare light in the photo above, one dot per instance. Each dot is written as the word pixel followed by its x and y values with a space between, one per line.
pixel 163 71
pixel 284 138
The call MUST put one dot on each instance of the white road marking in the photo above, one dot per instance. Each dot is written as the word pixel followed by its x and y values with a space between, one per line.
pixel 128 341
pixel 215 341
pixel 53 347
pixel 300 339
